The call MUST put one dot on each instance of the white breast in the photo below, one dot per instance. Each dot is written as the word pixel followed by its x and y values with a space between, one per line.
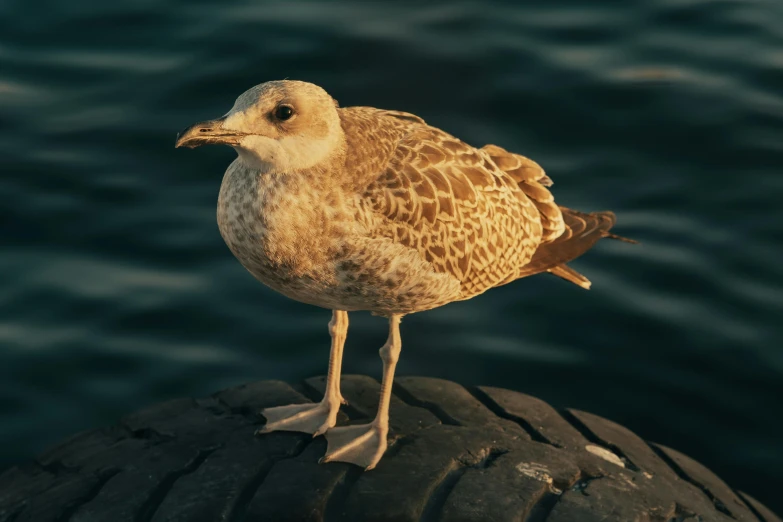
pixel 278 226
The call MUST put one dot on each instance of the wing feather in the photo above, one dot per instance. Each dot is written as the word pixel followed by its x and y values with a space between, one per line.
pixel 483 216
pixel 453 204
pixel 534 182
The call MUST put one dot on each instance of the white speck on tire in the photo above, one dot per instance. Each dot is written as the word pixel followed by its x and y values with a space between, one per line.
pixel 605 454
pixel 538 472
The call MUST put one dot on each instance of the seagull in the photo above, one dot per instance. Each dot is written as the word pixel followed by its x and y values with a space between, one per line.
pixel 358 208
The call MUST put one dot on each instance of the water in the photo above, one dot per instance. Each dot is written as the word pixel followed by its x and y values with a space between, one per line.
pixel 117 290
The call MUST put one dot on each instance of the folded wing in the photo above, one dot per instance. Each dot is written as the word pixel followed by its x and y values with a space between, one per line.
pixel 462 213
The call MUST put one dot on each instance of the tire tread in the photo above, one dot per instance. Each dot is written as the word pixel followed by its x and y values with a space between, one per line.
pixel 455 454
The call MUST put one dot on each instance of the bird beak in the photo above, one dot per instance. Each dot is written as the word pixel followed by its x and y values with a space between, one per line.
pixel 207 133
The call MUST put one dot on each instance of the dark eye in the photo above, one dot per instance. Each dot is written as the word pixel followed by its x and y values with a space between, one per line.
pixel 284 112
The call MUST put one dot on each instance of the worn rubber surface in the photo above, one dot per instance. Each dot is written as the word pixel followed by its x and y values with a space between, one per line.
pixel 455 454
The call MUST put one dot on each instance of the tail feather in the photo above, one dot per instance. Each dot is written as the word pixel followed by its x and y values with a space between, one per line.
pixel 569 274
pixel 622 238
pixel 582 231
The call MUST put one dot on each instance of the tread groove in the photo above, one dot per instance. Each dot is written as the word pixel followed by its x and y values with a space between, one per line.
pixel 680 514
pixel 248 491
pixel 501 412
pixel 214 406
pixel 55 467
pixel 719 505
pixel 74 507
pixel 160 491
pixel 147 434
pixel 244 411
pixel 548 497
pixel 433 509
pixel 583 481
pixel 339 494
pixel 492 456
pixel 434 506
pixel 398 443
pixel 595 439
pixel 752 509
pixel 308 391
pixel 543 506
pixel 410 399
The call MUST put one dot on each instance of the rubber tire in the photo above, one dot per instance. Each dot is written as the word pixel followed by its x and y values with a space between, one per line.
pixel 455 454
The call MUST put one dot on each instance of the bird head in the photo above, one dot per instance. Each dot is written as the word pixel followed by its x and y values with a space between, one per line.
pixel 276 126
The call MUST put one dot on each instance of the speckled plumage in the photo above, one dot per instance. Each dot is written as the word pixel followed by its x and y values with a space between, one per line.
pixel 405 219
pixel 366 209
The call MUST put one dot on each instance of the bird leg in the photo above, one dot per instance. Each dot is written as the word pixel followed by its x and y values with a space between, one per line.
pixel 319 417
pixel 364 444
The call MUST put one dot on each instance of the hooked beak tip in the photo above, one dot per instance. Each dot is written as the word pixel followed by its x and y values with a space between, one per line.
pixel 204 133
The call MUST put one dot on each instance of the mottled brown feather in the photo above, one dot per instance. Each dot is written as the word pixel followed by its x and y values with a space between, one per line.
pixel 533 181
pixel 484 216
pixel 479 225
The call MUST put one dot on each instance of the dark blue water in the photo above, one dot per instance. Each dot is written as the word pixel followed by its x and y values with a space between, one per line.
pixel 117 290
